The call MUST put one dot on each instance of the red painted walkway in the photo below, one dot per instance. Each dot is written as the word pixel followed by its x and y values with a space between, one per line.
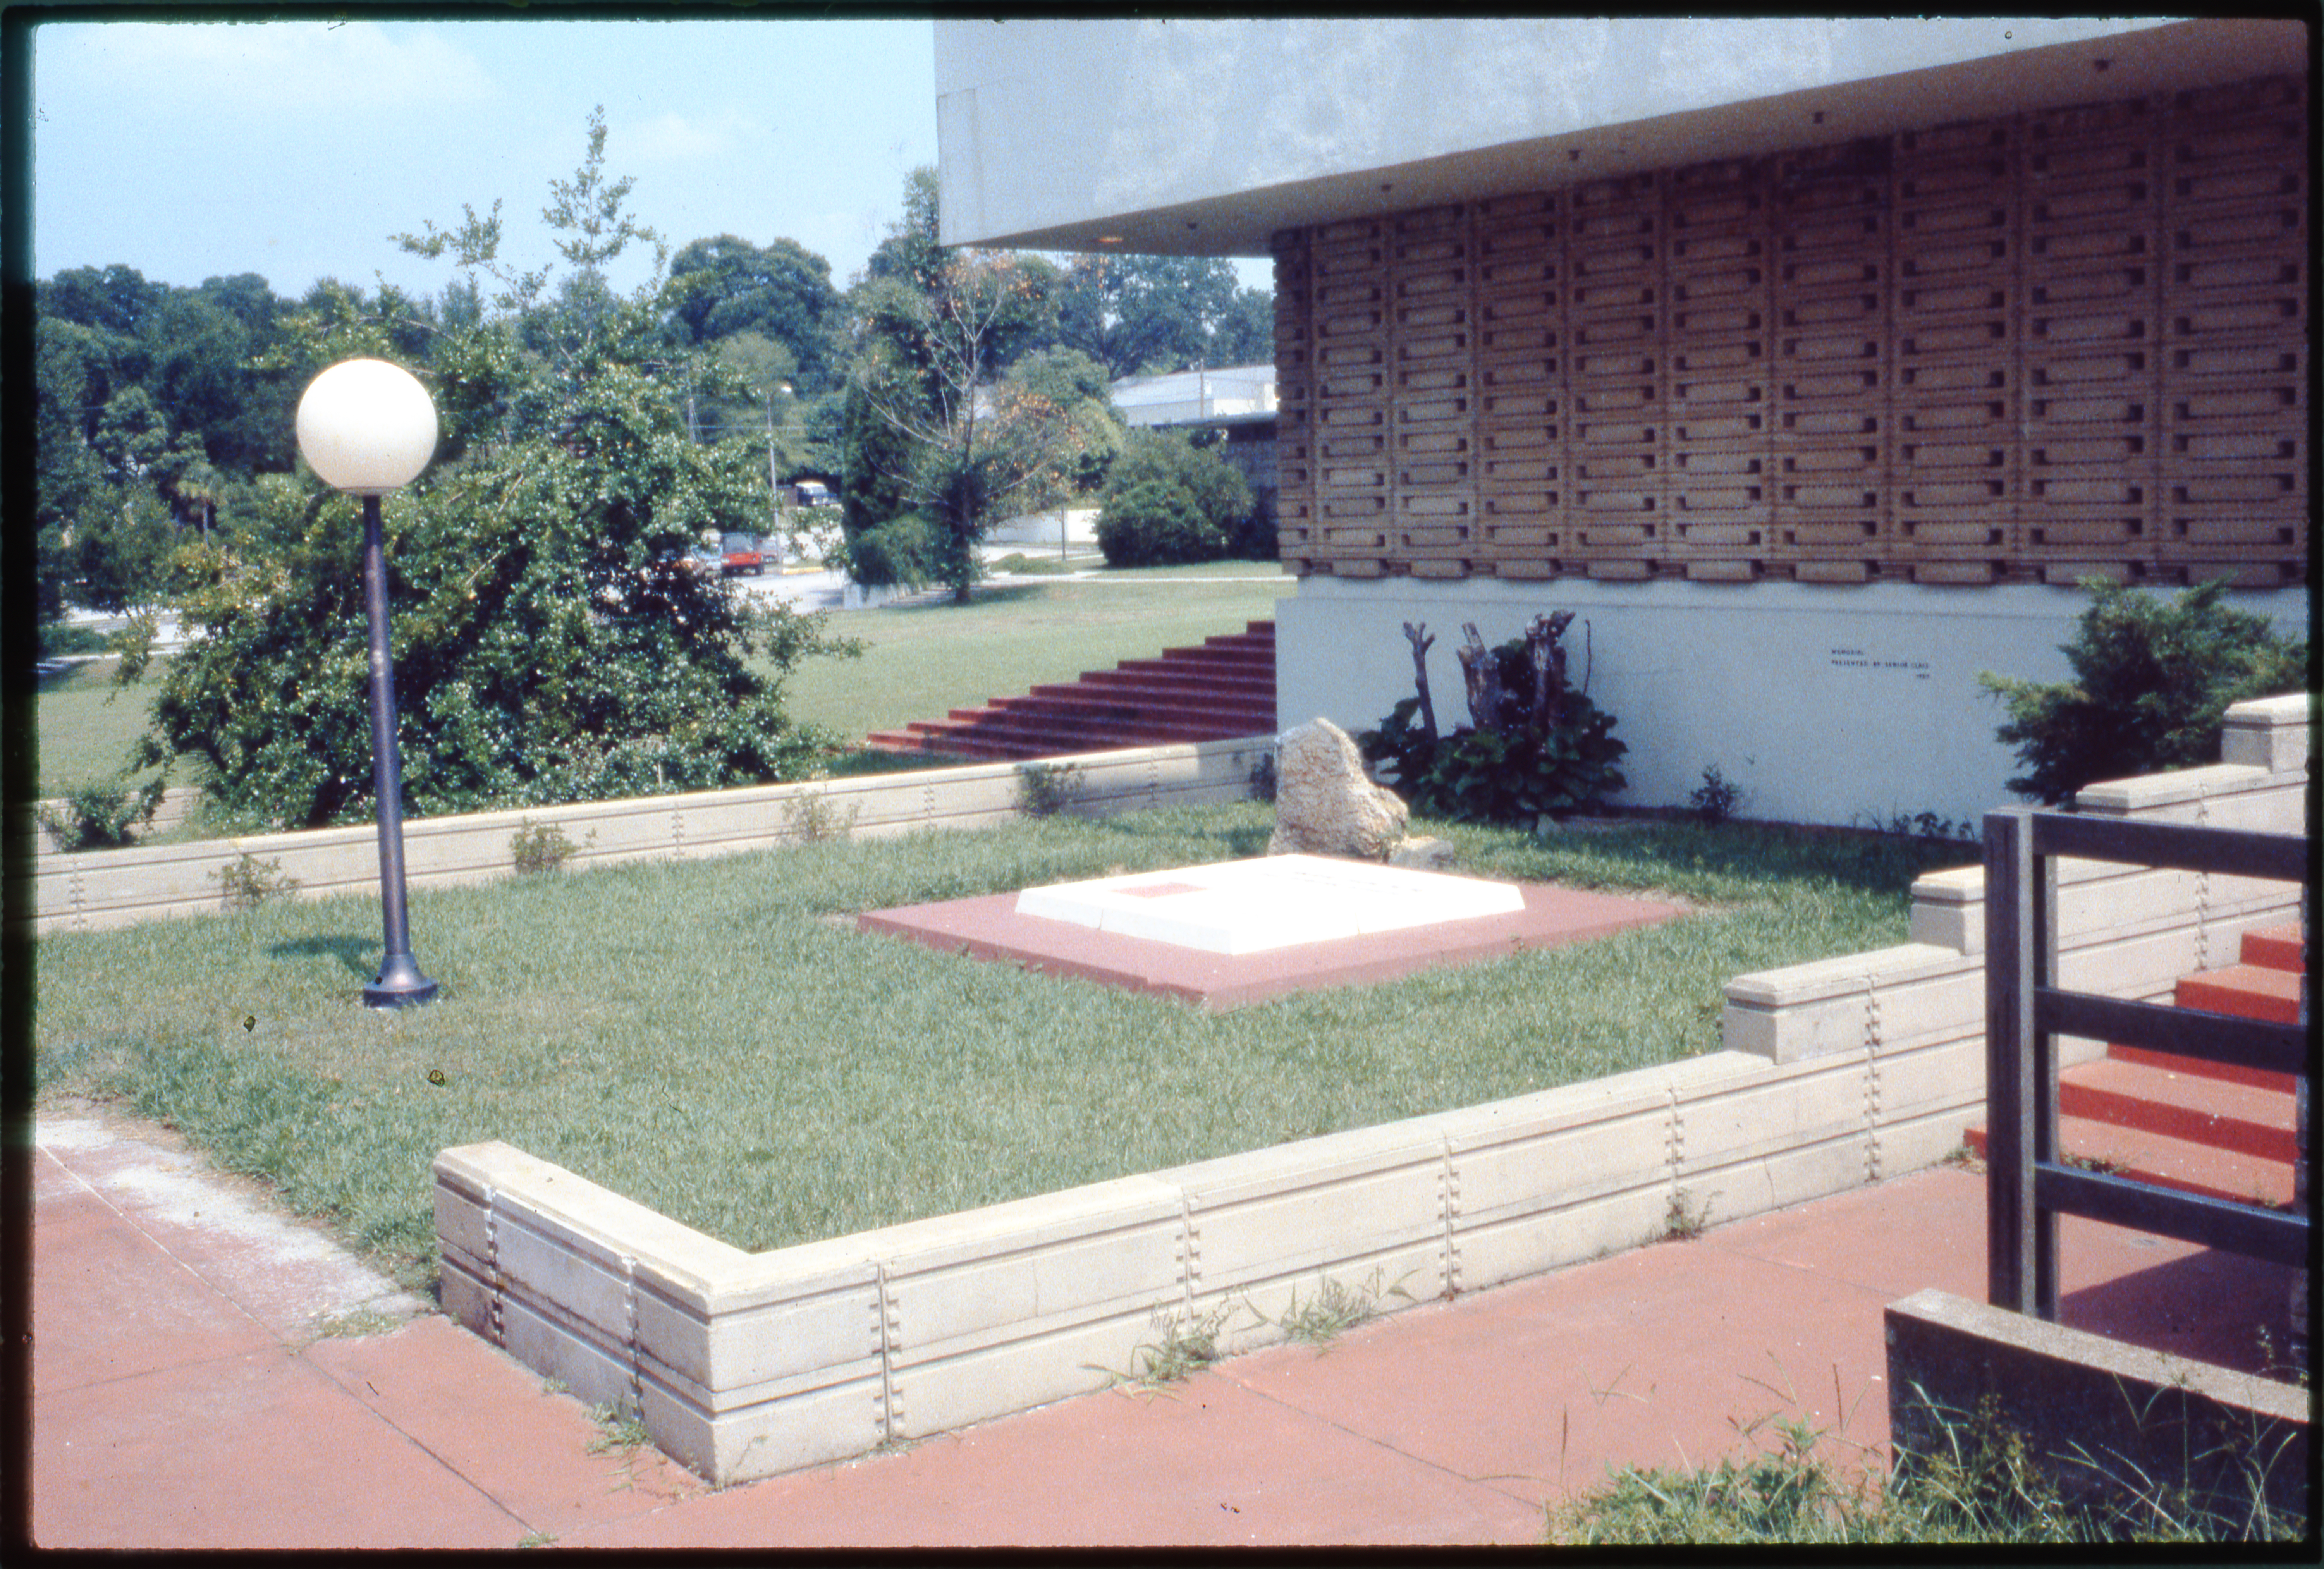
pixel 180 1399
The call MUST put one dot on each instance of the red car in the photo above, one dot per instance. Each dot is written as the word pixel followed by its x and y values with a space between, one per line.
pixel 741 555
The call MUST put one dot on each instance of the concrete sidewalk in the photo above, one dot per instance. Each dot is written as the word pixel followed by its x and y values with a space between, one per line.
pixel 185 1396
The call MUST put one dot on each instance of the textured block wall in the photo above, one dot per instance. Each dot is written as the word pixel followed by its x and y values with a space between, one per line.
pixel 2069 342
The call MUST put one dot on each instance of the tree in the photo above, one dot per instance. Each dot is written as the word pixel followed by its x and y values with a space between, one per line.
pixel 2152 682
pixel 1167 500
pixel 723 287
pixel 1147 315
pixel 1077 386
pixel 1245 335
pixel 925 373
pixel 552 641
pixel 911 253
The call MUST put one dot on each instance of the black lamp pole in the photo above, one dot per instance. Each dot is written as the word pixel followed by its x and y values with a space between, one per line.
pixel 399 983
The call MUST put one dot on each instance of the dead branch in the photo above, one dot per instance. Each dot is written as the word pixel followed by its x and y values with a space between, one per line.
pixel 1421 643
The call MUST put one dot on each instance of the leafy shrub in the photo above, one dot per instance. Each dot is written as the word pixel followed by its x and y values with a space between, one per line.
pixel 249 882
pixel 60 638
pixel 1257 538
pixel 98 817
pixel 1167 500
pixel 540 847
pixel 1154 524
pixel 900 553
pixel 2153 681
pixel 1516 774
pixel 1715 799
pixel 1046 789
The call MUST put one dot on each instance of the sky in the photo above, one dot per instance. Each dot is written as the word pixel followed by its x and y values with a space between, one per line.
pixel 295 149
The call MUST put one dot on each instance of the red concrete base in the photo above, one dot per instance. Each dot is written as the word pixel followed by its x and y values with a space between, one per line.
pixel 991 928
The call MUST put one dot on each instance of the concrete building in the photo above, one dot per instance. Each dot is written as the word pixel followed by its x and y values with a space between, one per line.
pixel 1237 402
pixel 1812 363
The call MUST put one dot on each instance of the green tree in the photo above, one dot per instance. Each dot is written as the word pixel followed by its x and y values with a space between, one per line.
pixel 1077 386
pixel 1245 334
pixel 723 287
pixel 966 447
pixel 1167 500
pixel 911 253
pixel 2153 681
pixel 1147 315
pixel 552 641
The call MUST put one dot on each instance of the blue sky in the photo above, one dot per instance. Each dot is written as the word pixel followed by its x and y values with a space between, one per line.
pixel 294 149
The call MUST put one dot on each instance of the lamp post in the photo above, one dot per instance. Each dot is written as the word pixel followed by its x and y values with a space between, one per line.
pixel 367 426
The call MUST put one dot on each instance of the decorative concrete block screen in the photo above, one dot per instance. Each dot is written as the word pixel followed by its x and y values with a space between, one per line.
pixel 1836 1074
pixel 2069 342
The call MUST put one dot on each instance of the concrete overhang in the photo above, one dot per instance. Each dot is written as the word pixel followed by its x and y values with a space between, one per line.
pixel 1205 138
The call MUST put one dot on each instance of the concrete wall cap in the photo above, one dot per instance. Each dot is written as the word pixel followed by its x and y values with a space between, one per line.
pixel 2291 708
pixel 1852 975
pixel 2148 792
pixel 2135 1363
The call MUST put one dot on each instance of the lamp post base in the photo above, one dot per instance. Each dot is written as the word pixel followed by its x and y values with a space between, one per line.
pixel 399 985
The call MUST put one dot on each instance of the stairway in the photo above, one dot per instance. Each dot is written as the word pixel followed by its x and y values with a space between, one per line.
pixel 1222 690
pixel 2201 1127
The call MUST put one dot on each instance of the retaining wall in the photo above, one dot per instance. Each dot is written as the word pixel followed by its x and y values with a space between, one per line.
pixel 744 1365
pixel 2123 931
pixel 98 888
pixel 747 1365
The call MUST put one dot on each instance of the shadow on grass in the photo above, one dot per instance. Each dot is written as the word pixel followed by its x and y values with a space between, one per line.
pixel 1760 851
pixel 982 593
pixel 358 954
pixel 1240 839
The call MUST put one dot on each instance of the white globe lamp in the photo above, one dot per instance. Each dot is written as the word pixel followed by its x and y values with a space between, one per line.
pixel 366 426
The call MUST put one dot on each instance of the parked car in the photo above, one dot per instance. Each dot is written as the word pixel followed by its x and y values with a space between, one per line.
pixel 741 555
pixel 706 559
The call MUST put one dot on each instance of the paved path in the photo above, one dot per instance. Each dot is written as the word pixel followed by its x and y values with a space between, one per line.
pixel 183 1398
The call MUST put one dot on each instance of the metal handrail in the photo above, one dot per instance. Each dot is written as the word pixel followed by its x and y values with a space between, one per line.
pixel 2027 1186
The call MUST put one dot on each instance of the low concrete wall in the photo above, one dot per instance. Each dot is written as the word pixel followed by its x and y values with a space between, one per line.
pixel 2095 1413
pixel 2123 931
pixel 175 804
pixel 99 888
pixel 745 1365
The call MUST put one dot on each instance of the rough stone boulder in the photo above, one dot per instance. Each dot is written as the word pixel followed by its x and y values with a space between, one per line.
pixel 1325 804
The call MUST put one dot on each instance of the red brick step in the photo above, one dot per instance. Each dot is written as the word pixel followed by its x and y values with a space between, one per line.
pixel 2175 1163
pixel 2275 947
pixel 1221 690
pixel 2176 1121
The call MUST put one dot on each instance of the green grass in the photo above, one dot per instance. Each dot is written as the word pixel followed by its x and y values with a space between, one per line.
pixel 918 662
pixel 715 1039
pixel 1985 1485
pixel 84 729
pixel 921 661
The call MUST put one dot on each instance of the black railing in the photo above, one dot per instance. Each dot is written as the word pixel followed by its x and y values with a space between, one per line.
pixel 2028 1185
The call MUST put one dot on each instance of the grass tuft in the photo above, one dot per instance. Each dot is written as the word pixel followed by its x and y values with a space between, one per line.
pixel 1983 1484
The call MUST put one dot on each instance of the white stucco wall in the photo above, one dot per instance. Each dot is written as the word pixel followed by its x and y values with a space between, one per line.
pixel 1826 704
pixel 1200 137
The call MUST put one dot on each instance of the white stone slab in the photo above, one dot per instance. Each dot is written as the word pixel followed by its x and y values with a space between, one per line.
pixel 1276 901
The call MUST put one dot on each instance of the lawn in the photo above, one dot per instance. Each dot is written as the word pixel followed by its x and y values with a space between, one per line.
pixel 921 661
pixel 918 662
pixel 715 1039
pixel 86 725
